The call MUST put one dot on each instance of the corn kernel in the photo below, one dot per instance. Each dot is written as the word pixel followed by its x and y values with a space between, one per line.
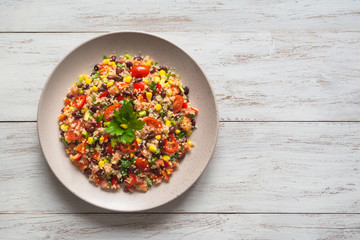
pixel 149 96
pixel 81 91
pixel 95 88
pixel 166 158
pixel 156 79
pixel 158 107
pixel 90 140
pixel 106 61
pixel 101 163
pixel 146 81
pixel 138 140
pixel 71 109
pixel 171 82
pixel 166 85
pixel 83 110
pixel 84 132
pixel 148 63
pixel 81 78
pixel 128 79
pixel 169 92
pixel 85 76
pixel 177 131
pixel 158 137
pixel 64 127
pixel 127 56
pixel 88 81
pixel 101 139
pixel 124 126
pixel 131 155
pixel 109 84
pixel 189 132
pixel 113 64
pixel 162 72
pixel 104 76
pixel 190 143
pixel 152 148
pixel 168 123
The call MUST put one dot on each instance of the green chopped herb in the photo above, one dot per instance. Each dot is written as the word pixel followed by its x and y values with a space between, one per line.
pixel 191 116
pixel 163 113
pixel 123 171
pixel 87 146
pixel 93 100
pixel 181 135
pixel 173 122
pixel 152 161
pixel 119 65
pixel 99 118
pixel 180 119
pixel 153 86
pixel 149 182
pixel 137 172
pixel 96 75
pixel 105 57
pixel 156 63
pixel 125 163
pixel 174 157
pixel 114 141
pixel 66 144
pixel 157 151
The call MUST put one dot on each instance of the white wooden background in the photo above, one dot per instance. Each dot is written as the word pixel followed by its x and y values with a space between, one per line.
pixel 287 80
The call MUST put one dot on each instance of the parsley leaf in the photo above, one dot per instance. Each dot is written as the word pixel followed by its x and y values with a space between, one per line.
pixel 153 86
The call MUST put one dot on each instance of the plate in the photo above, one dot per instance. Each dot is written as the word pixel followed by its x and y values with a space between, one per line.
pixel 81 60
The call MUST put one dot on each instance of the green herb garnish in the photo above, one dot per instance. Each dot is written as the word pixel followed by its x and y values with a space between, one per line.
pixel 153 86
pixel 181 135
pixel 125 163
pixel 149 182
pixel 66 144
pixel 99 118
pixel 124 123
pixel 105 57
pixel 174 157
pixel 191 116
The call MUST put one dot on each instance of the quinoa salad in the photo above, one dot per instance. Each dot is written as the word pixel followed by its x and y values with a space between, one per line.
pixel 127 124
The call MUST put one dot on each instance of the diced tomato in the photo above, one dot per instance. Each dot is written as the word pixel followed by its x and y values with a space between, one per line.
pixel 129 148
pixel 130 180
pixel 75 157
pixel 81 148
pixel 139 71
pixel 73 132
pixel 114 181
pixel 185 105
pixel 109 112
pixel 121 85
pixel 99 124
pixel 82 165
pixel 141 98
pixel 109 149
pixel 140 86
pixel 79 101
pixel 97 180
pixel 158 87
pixel 170 144
pixel 142 164
pixel 104 68
pixel 96 155
pixel 154 124
pixel 177 104
pixel 119 98
pixel 165 175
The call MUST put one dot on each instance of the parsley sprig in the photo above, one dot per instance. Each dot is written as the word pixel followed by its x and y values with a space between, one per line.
pixel 124 123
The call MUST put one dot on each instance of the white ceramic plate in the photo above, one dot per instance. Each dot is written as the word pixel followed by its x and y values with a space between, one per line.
pixel 81 60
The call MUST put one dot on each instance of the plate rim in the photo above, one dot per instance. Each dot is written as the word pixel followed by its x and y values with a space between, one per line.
pixel 38 123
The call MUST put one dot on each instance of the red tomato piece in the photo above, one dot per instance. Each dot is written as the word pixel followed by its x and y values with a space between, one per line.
pixel 119 98
pixel 79 101
pixel 109 112
pixel 185 105
pixel 177 104
pixel 158 87
pixel 139 71
pixel 129 148
pixel 121 85
pixel 142 164
pixel 73 132
pixel 171 144
pixel 109 149
pixel 104 94
pixel 75 157
pixel 153 123
pixel 130 180
pixel 165 175
pixel 139 86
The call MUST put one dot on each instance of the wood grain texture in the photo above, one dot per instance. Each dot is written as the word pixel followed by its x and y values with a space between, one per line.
pixel 256 167
pixel 258 76
pixel 175 15
pixel 180 226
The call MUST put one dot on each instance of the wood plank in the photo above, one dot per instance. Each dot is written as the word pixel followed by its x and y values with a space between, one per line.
pixel 180 226
pixel 175 15
pixel 258 76
pixel 256 167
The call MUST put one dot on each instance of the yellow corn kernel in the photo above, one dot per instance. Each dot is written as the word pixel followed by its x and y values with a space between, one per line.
pixel 84 132
pixel 109 84
pixel 88 81
pixel 131 155
pixel 113 64
pixel 146 81
pixel 95 88
pixel 149 96
pixel 64 127
pixel 156 79
pixel 104 76
pixel 166 158
pixel 190 143
pixel 85 76
pixel 90 140
pixel 177 131
pixel 101 163
pixel 124 126
pixel 106 61
pixel 169 92
pixel 81 78
pixel 128 79
pixel 162 72
pixel 158 137
pixel 166 85
pixel 152 148
pixel 127 56
pixel 148 63
pixel 158 107
pixel 168 123
pixel 138 140
pixel 83 110
pixel 81 91
pixel 171 82
pixel 189 132
pixel 71 109
pixel 101 139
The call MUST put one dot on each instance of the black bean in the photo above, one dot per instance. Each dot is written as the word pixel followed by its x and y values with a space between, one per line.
pixel 118 70
pixel 112 77
pixel 129 64
pixel 96 68
pixel 77 115
pixel 86 86
pixel 138 58
pixel 93 145
pixel 90 129
pixel 116 167
pixel 113 58
pixel 132 168
pixel 153 69
pixel 186 90
pixel 87 171
pixel 100 172
pixel 150 136
pixel 163 68
pixel 80 85
pixel 94 161
pixel 69 95
pixel 172 130
pixel 162 142
pixel 62 110
pixel 193 122
pixel 127 93
pixel 137 80
pixel 156 171
pixel 163 93
pixel 95 108
pixel 181 156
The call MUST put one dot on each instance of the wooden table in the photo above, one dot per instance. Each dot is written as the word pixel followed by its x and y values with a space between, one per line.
pixel 286 78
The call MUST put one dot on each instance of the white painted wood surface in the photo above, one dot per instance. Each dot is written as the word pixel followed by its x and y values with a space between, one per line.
pixel 286 78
